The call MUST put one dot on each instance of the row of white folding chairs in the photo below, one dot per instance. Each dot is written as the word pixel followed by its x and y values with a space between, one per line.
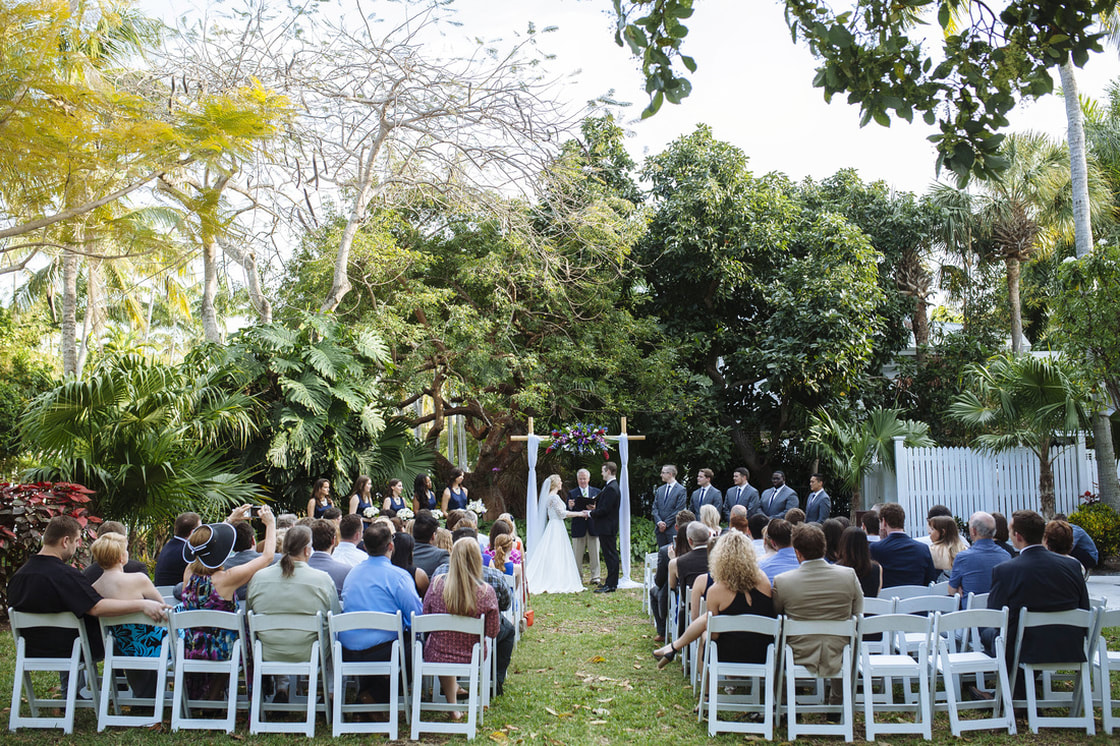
pixel 946 651
pixel 168 664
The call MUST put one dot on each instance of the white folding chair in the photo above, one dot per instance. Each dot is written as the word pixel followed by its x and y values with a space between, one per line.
pixel 116 661
pixel 956 658
pixel 1107 660
pixel 939 589
pixel 314 668
pixel 207 621
pixel 904 591
pixel 1081 698
pixel 720 680
pixel 516 609
pixel 695 648
pixel 392 668
pixel 647 584
pixel 80 659
pixel 848 628
pixel 925 606
pixel 875 606
pixel 977 601
pixel 474 672
pixel 897 664
pixel 168 593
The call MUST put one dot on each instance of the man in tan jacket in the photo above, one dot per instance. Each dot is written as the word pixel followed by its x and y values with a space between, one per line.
pixel 818 591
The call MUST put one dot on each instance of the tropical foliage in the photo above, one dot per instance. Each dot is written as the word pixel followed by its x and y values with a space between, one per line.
pixel 145 436
pixel 1024 401
pixel 315 392
pixel 852 447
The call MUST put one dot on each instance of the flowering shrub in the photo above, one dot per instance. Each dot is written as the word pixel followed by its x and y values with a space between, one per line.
pixel 1102 524
pixel 25 511
pixel 580 439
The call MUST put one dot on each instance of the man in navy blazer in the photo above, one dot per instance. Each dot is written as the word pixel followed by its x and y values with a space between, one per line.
pixel 1039 580
pixel 705 493
pixel 669 499
pixel 779 498
pixel 605 514
pixel 904 561
pixel 742 493
pixel 818 505
pixel 171 564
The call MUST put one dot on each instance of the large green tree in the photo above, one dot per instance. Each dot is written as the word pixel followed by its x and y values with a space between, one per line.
pixel 775 303
pixel 497 320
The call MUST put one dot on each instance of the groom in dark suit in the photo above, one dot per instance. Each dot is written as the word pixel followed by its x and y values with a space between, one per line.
pixel 605 515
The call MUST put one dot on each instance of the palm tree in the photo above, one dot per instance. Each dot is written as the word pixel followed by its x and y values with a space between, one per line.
pixel 851 448
pixel 1024 401
pixel 144 436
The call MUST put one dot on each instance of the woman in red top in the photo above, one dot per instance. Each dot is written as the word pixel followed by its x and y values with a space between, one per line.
pixel 460 592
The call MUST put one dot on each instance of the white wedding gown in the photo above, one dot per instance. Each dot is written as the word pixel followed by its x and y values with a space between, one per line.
pixel 552 565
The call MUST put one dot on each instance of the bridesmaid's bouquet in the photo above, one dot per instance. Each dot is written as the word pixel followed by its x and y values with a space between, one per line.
pixel 477 507
pixel 405 514
pixel 581 439
pixel 370 513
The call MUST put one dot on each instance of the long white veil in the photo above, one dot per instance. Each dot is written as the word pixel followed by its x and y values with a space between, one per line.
pixel 542 511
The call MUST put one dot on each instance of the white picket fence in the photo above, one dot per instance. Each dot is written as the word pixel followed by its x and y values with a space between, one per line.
pixel 966 481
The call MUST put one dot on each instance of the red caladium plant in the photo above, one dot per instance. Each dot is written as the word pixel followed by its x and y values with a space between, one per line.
pixel 25 511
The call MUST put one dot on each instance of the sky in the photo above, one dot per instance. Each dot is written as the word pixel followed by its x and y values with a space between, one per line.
pixel 753 85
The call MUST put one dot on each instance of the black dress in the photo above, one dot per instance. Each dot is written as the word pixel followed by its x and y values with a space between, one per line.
pixel 869 581
pixel 746 647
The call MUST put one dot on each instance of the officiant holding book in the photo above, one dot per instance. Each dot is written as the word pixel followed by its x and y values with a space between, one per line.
pixel 584 534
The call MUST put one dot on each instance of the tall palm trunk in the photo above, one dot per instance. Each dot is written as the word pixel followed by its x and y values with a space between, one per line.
pixel 1046 486
pixel 1109 485
pixel 69 345
pixel 1016 309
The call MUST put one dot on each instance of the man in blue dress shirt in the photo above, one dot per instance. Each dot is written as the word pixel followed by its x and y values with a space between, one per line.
pixel 972 568
pixel 377 585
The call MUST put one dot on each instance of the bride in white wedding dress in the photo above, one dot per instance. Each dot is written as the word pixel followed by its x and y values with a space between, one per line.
pixel 552 565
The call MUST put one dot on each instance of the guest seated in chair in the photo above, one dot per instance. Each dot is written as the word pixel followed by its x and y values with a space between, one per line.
pixel 461 592
pixel 735 585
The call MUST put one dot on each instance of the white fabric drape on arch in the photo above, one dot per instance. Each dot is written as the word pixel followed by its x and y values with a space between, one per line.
pixel 532 530
pixel 624 580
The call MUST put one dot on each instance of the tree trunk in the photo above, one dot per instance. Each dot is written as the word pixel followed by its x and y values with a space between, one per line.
pixel 248 261
pixel 921 327
pixel 1013 302
pixel 69 343
pixel 94 322
pixel 1078 168
pixel 1109 486
pixel 1046 486
pixel 1106 461
pixel 210 328
pixel 856 506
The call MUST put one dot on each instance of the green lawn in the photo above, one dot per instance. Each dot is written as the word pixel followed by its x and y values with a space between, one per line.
pixel 583 674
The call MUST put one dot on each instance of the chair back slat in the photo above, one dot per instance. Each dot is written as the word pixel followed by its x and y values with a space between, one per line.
pixel 894 623
pixel 759 625
pixel 449 623
pixel 352 620
pixel 927 604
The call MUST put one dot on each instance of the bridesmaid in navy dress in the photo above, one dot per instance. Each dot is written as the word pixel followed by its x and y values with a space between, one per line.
pixel 454 494
pixel 320 500
pixel 395 501
pixel 423 498
pixel 359 498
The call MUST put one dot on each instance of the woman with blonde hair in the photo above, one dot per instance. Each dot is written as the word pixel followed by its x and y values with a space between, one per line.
pixel 442 539
pixel 709 516
pixel 459 591
pixel 945 541
pixel 734 586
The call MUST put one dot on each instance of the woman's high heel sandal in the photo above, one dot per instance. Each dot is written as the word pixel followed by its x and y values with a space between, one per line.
pixel 667 658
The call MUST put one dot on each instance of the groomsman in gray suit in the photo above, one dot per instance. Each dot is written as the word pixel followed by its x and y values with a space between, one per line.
pixel 705 493
pixel 779 498
pixel 669 499
pixel 818 505
pixel 742 493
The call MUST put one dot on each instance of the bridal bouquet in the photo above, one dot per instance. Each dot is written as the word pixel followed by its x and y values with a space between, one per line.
pixel 580 438
pixel 477 507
